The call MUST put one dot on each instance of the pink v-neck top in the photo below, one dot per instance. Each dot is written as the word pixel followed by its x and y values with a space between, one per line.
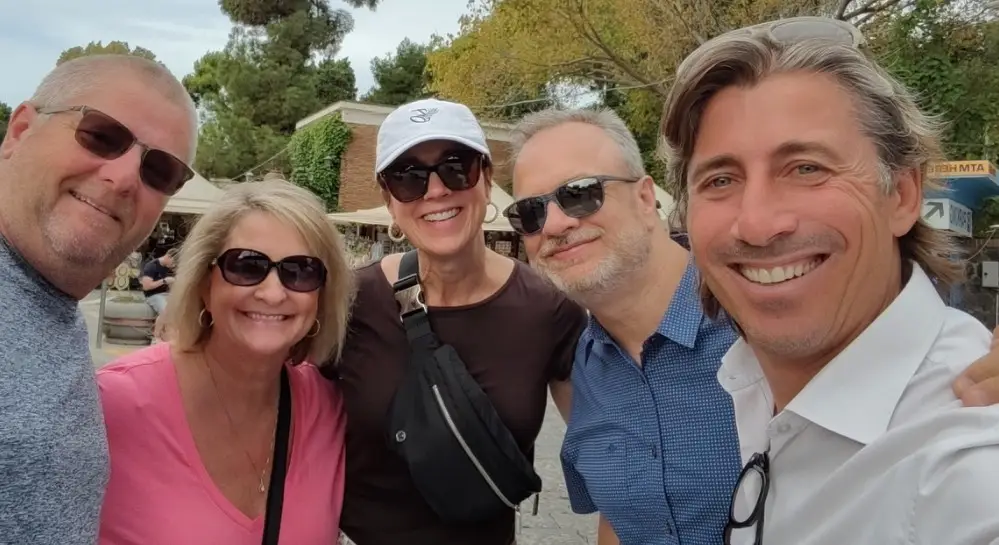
pixel 160 492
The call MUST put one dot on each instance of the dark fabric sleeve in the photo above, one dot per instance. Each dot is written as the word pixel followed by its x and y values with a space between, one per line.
pixel 570 320
pixel 150 269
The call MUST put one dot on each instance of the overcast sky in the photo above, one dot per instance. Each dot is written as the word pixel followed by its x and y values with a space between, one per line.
pixel 34 32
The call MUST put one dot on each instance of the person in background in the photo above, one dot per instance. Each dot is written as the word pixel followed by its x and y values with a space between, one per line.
pixel 263 289
pixel 87 166
pixel 514 332
pixel 156 277
pixel 801 165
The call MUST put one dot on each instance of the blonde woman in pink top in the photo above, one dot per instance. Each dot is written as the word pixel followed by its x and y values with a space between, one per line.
pixel 198 426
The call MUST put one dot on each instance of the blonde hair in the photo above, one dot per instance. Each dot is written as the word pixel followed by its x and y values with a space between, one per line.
pixel 905 137
pixel 293 206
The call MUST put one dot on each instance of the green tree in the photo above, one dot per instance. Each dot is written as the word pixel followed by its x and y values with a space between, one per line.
pixel 400 77
pixel 5 111
pixel 98 48
pixel 278 67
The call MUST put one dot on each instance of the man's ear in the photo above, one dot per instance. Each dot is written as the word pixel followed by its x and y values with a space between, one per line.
pixel 18 128
pixel 907 200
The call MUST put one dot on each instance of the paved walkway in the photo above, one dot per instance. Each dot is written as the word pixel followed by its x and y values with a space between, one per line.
pixel 555 524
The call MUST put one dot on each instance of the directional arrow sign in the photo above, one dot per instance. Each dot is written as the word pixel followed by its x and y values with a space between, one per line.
pixel 933 207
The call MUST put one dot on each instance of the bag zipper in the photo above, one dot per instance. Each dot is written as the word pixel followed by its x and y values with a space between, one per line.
pixel 468 451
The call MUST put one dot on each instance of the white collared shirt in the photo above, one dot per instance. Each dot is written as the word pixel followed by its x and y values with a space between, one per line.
pixel 876 449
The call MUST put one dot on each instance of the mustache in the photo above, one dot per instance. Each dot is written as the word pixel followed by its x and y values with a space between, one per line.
pixel 552 245
pixel 816 243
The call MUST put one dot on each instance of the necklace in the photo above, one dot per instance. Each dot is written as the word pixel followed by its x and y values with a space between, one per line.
pixel 232 427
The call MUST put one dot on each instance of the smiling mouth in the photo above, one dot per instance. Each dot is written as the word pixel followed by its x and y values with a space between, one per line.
pixel 783 273
pixel 442 215
pixel 93 205
pixel 268 318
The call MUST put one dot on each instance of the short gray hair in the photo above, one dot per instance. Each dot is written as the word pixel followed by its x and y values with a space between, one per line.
pixel 604 119
pixel 887 112
pixel 80 75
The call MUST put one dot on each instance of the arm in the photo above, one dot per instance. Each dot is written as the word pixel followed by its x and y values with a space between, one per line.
pixel 562 396
pixel 605 534
pixel 570 320
pixel 150 284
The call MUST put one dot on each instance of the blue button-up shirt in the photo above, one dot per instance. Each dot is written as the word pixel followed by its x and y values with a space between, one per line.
pixel 654 448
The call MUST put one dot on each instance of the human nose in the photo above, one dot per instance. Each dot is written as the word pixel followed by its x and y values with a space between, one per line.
pixel 436 187
pixel 557 223
pixel 763 213
pixel 123 172
pixel 271 290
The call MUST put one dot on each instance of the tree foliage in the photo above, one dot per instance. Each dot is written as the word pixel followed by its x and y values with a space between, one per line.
pixel 98 48
pixel 5 112
pixel 278 67
pixel 400 77
pixel 316 155
pixel 507 49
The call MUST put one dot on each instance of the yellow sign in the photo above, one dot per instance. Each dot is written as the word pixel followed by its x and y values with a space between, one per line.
pixel 957 169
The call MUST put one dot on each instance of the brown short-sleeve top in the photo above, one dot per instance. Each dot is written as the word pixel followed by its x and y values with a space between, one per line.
pixel 513 344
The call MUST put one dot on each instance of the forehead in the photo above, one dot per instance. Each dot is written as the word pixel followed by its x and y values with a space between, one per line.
pixel 553 156
pixel 742 122
pixel 266 233
pixel 155 120
pixel 430 151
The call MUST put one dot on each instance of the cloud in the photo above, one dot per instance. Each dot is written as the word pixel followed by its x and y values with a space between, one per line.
pixel 34 32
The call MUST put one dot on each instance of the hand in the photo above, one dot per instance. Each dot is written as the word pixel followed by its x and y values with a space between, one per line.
pixel 978 386
pixel 168 280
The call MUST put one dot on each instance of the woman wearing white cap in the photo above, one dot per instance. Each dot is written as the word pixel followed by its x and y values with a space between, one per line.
pixel 515 336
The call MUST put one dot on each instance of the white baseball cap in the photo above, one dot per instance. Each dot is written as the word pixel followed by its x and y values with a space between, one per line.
pixel 425 120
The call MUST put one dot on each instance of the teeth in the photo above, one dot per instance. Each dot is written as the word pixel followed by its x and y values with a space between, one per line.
pixel 99 208
pixel 442 215
pixel 265 317
pixel 777 275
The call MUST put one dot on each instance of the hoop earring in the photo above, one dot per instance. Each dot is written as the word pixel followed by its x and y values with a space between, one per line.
pixel 393 237
pixel 310 334
pixel 201 318
pixel 496 213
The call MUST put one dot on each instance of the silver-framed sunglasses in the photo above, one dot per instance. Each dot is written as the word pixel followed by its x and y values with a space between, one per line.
pixel 798 29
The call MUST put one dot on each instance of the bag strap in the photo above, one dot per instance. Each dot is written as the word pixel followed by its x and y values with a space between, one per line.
pixel 412 308
pixel 275 494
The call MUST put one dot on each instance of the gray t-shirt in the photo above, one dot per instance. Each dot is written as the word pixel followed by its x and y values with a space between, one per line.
pixel 53 448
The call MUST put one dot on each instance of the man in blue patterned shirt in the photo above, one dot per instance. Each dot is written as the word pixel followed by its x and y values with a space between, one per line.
pixel 651 442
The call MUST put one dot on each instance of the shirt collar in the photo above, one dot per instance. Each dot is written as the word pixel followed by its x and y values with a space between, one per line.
pixel 684 309
pixel 855 395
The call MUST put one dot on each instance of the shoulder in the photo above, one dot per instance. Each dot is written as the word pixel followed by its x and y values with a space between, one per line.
pixel 319 398
pixel 958 478
pixel 961 341
pixel 134 380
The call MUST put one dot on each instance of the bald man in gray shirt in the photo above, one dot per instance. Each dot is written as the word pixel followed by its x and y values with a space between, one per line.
pixel 86 168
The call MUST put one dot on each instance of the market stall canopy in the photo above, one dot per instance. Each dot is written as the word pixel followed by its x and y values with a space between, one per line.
pixel 380 215
pixel 195 197
pixel 667 204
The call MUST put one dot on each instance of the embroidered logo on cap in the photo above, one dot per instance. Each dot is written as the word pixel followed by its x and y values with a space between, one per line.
pixel 423 115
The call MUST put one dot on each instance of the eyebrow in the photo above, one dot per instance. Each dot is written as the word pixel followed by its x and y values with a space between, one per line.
pixel 787 149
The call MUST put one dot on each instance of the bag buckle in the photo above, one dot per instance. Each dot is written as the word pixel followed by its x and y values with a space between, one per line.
pixel 409 295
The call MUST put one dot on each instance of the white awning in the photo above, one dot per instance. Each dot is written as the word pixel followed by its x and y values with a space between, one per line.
pixel 195 197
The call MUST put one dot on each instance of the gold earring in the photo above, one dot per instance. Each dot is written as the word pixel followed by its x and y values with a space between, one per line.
pixel 391 233
pixel 201 318
pixel 318 327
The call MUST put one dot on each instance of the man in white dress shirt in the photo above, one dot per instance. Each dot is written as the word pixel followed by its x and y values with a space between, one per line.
pixel 800 165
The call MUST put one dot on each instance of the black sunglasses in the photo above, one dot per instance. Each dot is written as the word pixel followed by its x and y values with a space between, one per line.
pixel 107 138
pixel 577 198
pixel 458 170
pixel 758 467
pixel 242 267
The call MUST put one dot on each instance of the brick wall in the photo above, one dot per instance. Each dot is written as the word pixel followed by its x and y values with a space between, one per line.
pixel 358 189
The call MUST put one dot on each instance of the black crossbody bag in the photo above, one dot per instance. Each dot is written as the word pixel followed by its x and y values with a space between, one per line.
pixel 461 457
pixel 275 494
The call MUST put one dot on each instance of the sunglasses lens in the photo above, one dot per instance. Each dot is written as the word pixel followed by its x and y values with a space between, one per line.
pixel 460 171
pixel 527 216
pixel 406 184
pixel 302 273
pixel 164 172
pixel 580 198
pixel 243 267
pixel 103 136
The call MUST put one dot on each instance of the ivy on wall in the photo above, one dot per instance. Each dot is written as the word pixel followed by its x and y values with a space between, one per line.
pixel 316 153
